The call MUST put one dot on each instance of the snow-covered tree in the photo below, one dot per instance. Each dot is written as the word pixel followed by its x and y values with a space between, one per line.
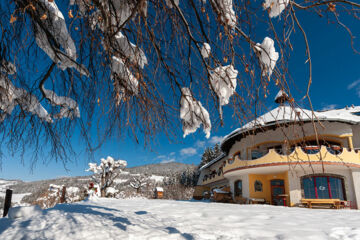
pixel 139 181
pixel 106 172
pixel 143 67
pixel 210 154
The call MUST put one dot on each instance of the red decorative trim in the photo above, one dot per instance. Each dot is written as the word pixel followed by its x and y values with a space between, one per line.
pixel 316 192
pixel 293 163
pixel 329 187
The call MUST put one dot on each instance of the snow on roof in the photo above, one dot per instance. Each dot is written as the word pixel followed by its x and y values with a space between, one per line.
pixel 219 190
pixel 159 189
pixel 213 161
pixel 284 114
pixel 280 96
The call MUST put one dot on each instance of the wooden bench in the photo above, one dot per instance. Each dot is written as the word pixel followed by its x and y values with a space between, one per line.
pixel 220 195
pixel 335 203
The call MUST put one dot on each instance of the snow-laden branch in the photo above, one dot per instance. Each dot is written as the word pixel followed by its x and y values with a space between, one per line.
pixel 267 55
pixel 275 6
pixel 51 34
pixel 124 80
pixel 225 11
pixel 193 114
pixel 130 50
pixel 170 4
pixel 68 107
pixel 11 96
pixel 122 50
pixel 138 182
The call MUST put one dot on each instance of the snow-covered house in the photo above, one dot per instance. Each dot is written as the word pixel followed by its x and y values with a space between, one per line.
pixel 279 158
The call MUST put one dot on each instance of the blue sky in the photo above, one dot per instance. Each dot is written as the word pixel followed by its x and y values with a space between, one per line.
pixel 336 83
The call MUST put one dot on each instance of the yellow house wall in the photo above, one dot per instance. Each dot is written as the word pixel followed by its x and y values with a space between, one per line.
pixel 298 157
pixel 265 180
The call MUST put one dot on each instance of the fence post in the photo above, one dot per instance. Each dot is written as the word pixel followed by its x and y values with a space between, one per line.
pixel 63 192
pixel 7 203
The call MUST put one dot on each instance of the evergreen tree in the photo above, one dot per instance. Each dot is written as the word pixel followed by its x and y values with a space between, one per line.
pixel 210 154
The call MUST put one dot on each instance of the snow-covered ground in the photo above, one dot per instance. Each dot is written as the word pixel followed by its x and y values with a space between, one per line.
pixel 166 219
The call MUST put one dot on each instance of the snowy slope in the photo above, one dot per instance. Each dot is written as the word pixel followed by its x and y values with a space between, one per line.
pixel 6 184
pixel 165 219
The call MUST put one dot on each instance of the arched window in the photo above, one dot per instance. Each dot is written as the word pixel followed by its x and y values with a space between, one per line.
pixel 258 186
pixel 323 187
pixel 238 188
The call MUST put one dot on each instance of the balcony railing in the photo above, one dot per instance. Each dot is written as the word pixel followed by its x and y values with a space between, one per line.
pixel 300 154
pixel 213 177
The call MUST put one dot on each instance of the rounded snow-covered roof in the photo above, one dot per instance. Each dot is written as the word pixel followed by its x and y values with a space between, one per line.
pixel 287 114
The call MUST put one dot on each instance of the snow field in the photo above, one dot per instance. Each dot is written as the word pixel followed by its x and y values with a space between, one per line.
pixel 166 219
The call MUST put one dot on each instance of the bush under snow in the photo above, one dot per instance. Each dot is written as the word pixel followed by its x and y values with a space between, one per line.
pixel 24 211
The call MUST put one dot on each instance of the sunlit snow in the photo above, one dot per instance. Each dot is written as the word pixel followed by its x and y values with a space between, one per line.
pixel 168 219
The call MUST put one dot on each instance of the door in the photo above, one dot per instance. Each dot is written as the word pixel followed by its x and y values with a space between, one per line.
pixel 278 196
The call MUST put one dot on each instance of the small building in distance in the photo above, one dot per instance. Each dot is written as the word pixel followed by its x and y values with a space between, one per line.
pixel 159 192
pixel 289 155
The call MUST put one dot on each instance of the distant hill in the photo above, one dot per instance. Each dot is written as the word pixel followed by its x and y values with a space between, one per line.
pixel 32 190
pixel 162 169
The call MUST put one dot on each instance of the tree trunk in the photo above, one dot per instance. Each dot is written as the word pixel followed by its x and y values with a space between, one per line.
pixel 102 187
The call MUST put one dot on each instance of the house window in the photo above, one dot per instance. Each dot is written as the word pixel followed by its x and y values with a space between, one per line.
pixel 238 188
pixel 323 187
pixel 258 186
pixel 255 154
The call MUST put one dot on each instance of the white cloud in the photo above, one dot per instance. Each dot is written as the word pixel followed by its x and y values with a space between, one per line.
pixel 215 139
pixel 329 107
pixel 160 157
pixel 188 151
pixel 200 144
pixel 353 84
pixel 168 160
pixel 356 85
pixel 172 154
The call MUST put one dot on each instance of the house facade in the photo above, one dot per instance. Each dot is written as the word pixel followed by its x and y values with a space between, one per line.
pixel 287 155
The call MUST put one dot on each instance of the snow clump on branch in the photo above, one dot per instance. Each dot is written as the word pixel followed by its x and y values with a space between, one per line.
pixel 223 82
pixel 54 22
pixel 224 10
pixel 193 114
pixel 267 55
pixel 205 50
pixel 275 6
pixel 124 80
pixel 170 4
pixel 131 51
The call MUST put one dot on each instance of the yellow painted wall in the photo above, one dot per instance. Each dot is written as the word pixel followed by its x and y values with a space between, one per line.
pixel 298 156
pixel 265 180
